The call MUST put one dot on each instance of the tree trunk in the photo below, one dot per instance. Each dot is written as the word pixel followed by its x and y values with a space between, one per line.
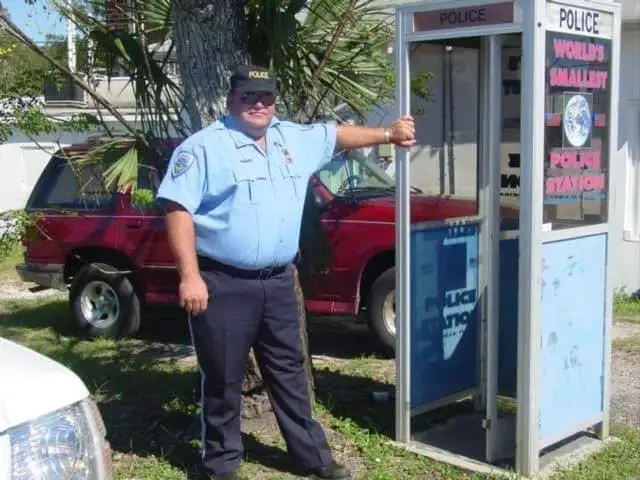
pixel 304 334
pixel 210 39
pixel 210 42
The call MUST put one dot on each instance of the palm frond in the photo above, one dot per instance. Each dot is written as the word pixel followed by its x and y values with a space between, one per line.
pixel 124 171
pixel 336 56
pixel 156 18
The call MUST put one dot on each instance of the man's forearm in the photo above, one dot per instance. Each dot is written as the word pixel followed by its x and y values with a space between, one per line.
pixel 182 241
pixel 354 136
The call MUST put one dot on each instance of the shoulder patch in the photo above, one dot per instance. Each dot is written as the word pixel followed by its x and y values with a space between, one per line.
pixel 183 162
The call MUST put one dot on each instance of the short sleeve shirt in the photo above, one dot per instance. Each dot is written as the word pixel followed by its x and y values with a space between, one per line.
pixel 247 203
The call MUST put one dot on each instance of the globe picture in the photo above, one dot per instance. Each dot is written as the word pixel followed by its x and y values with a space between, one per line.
pixel 577 120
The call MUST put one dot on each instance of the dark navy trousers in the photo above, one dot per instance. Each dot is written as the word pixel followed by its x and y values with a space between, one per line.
pixel 259 312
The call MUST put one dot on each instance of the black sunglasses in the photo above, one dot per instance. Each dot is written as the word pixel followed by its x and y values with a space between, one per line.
pixel 251 98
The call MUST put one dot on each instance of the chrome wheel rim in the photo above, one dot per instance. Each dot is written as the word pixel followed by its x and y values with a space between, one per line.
pixel 389 313
pixel 99 304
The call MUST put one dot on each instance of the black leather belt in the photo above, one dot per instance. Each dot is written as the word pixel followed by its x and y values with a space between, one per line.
pixel 208 264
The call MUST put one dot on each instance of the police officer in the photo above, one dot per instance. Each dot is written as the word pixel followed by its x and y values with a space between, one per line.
pixel 234 194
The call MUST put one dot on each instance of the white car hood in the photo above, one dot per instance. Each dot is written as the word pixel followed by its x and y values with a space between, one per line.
pixel 32 385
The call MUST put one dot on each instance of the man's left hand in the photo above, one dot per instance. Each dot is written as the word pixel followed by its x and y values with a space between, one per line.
pixel 403 132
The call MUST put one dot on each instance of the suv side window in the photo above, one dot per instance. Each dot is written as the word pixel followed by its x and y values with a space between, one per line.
pixel 153 168
pixel 67 184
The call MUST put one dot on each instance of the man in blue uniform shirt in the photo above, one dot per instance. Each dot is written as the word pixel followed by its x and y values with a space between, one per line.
pixel 234 194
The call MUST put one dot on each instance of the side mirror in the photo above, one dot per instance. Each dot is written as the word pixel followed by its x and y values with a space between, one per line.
pixel 318 201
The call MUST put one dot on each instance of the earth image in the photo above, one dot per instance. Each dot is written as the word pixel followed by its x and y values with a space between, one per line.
pixel 577 120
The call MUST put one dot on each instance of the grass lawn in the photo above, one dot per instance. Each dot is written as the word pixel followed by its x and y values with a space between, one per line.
pixel 8 263
pixel 627 307
pixel 145 389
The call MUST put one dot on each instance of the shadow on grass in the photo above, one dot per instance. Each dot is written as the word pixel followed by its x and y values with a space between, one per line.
pixel 342 337
pixel 147 400
pixel 350 397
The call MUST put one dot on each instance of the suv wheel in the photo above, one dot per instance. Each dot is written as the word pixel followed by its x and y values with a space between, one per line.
pixel 382 310
pixel 104 303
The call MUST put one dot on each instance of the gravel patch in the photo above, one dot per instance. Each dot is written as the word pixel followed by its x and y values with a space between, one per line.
pixel 625 379
pixel 625 389
pixel 11 290
pixel 622 330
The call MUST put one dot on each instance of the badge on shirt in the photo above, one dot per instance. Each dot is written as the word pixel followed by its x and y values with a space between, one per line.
pixel 182 164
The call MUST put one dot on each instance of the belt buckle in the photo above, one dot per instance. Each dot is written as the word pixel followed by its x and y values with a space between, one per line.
pixel 265 272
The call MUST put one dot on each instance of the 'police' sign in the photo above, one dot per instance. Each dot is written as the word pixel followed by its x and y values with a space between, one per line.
pixel 579 21
pixel 464 17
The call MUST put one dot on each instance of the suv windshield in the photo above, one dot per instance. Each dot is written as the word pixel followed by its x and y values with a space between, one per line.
pixel 352 173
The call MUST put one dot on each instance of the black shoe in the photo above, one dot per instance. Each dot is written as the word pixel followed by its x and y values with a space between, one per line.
pixel 225 476
pixel 333 471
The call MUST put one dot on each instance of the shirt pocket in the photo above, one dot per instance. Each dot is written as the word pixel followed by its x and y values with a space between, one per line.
pixel 292 179
pixel 252 183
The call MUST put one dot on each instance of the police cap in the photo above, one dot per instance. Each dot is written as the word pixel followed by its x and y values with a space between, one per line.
pixel 250 78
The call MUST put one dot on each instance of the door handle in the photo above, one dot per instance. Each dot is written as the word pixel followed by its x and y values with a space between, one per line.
pixel 134 225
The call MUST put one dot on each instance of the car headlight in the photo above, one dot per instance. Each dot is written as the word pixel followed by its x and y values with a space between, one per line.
pixel 68 444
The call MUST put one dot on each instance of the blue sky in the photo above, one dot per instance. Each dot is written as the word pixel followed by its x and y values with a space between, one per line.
pixel 36 21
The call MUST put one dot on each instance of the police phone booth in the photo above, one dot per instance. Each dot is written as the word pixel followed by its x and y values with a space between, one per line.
pixel 504 309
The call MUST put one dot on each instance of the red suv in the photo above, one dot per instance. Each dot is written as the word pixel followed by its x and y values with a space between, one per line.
pixel 114 258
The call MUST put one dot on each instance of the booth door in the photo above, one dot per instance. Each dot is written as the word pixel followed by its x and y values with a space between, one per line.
pixel 446 222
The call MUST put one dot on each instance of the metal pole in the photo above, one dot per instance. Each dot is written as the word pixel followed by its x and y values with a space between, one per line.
pixel 492 254
pixel 531 197
pixel 403 239
pixel 484 202
pixel 451 137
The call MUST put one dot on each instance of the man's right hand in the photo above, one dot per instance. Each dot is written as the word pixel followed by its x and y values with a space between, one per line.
pixel 194 294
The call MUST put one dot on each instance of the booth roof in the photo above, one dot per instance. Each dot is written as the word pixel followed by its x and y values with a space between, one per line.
pixel 630 8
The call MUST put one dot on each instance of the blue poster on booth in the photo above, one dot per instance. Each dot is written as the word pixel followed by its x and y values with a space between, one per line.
pixel 444 299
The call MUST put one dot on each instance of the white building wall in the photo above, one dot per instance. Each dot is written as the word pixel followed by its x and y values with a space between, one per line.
pixel 23 161
pixel 626 214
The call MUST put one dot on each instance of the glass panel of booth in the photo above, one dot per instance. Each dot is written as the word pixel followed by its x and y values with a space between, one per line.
pixel 510 133
pixel 444 104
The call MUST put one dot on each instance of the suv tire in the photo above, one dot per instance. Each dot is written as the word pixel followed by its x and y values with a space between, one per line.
pixel 381 306
pixel 104 302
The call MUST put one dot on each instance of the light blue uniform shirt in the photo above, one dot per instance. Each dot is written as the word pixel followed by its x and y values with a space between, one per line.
pixel 247 204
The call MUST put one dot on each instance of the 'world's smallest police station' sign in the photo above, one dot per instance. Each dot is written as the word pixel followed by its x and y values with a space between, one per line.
pixel 577 123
